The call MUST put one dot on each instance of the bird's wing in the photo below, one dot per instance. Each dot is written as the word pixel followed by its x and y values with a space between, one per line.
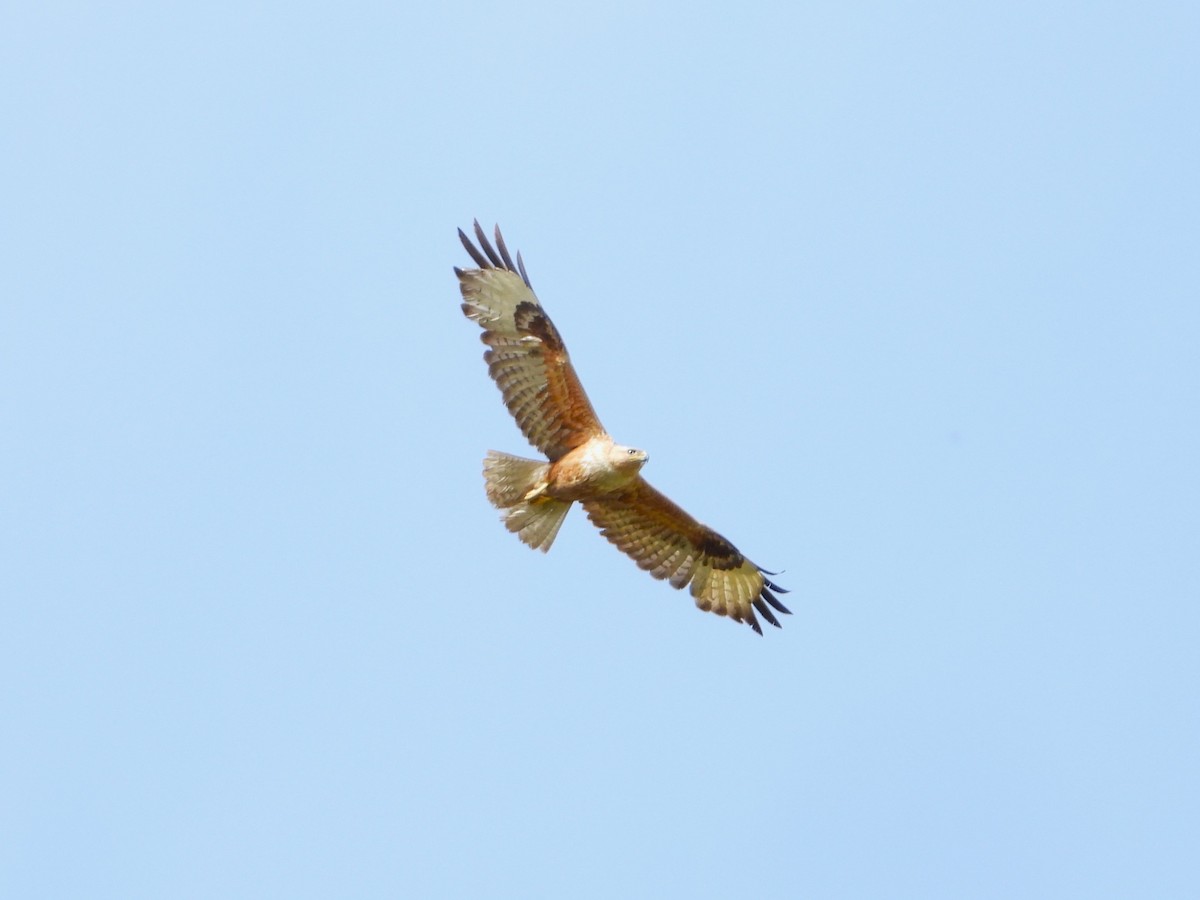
pixel 668 543
pixel 525 354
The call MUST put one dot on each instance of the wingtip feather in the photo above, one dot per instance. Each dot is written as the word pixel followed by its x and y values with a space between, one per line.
pixel 774 601
pixel 508 263
pixel 471 249
pixel 486 246
pixel 766 612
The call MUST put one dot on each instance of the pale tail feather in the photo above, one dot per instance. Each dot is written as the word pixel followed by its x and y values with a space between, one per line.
pixel 514 485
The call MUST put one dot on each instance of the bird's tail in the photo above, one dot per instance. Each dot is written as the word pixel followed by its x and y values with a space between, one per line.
pixel 517 487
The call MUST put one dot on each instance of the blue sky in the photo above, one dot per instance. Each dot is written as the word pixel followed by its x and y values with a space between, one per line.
pixel 903 299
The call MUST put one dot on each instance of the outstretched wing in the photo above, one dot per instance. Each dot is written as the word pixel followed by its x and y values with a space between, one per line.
pixel 525 355
pixel 668 543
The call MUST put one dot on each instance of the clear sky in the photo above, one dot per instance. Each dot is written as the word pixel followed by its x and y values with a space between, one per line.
pixel 902 298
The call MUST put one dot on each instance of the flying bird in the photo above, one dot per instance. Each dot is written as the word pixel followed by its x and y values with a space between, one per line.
pixel 529 363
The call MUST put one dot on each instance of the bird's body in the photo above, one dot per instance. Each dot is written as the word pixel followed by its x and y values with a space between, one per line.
pixel 598 466
pixel 529 363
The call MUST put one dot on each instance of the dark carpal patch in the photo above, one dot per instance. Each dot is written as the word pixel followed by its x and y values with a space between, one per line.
pixel 722 554
pixel 530 319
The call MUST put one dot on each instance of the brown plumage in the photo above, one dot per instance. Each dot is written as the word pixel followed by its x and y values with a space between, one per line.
pixel 528 361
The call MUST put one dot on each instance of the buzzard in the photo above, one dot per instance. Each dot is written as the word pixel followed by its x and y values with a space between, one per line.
pixel 529 363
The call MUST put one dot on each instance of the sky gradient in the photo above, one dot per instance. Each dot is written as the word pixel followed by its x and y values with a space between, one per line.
pixel 902 299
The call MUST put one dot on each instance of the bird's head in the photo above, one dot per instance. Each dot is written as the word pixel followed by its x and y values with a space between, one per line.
pixel 628 459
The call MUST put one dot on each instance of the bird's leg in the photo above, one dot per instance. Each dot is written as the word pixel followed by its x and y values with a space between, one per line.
pixel 537 490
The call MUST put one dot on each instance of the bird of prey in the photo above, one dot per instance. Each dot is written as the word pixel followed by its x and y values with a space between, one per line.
pixel 527 359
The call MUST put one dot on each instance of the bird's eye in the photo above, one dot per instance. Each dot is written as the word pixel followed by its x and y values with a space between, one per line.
pixel 631 452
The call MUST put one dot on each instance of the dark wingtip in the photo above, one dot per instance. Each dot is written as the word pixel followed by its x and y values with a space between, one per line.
pixel 753 623
pixel 470 248
pixel 486 246
pixel 774 601
pixel 769 583
pixel 508 263
pixel 766 612
pixel 488 257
